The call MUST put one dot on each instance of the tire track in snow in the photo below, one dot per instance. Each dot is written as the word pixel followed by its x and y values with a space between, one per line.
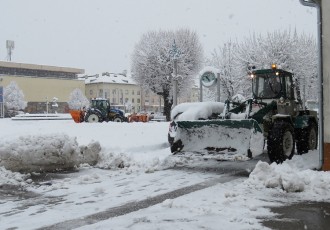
pixel 137 205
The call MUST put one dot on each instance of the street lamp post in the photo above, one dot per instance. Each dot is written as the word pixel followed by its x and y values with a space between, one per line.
pixel 175 54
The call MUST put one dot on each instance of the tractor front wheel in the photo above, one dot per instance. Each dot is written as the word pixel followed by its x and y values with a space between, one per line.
pixel 92 118
pixel 307 138
pixel 281 142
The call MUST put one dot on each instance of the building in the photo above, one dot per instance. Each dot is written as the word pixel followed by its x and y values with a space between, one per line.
pixel 119 89
pixel 42 84
pixel 46 88
pixel 125 94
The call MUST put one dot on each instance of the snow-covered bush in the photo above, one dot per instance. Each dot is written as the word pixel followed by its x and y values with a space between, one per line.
pixel 77 100
pixel 14 99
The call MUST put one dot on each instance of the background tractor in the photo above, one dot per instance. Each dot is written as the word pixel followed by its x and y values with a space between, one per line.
pixel 98 111
pixel 274 113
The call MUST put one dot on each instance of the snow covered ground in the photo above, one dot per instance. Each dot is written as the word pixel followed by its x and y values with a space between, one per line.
pixel 133 165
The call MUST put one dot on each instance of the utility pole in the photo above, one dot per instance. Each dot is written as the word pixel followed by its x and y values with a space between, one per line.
pixel 323 28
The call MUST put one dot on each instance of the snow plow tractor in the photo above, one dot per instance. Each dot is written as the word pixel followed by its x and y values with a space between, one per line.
pixel 99 111
pixel 274 114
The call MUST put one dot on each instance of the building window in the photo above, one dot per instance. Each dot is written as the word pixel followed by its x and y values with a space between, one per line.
pixel 101 93
pixel 132 92
pixel 126 91
pixel 138 100
pixel 138 92
pixel 126 100
pixel 121 100
pixel 91 92
pixel 113 92
pixel 132 100
pixel 113 100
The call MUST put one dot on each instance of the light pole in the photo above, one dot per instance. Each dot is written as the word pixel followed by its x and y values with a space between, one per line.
pixel 175 53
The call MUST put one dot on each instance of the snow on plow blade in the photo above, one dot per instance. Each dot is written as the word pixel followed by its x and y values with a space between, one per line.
pixel 235 138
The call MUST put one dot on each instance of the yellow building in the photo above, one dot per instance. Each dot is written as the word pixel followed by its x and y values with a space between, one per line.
pixel 42 84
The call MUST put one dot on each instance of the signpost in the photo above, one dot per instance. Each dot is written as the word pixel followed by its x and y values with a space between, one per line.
pixel 209 76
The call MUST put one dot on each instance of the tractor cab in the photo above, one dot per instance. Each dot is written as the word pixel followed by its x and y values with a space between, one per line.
pixel 276 85
pixel 272 84
pixel 102 105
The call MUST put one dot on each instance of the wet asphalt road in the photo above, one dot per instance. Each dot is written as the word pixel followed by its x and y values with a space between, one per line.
pixel 296 216
pixel 313 216
pixel 136 205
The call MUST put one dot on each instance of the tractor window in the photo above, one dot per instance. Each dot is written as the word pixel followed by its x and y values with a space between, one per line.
pixel 289 87
pixel 267 86
pixel 107 105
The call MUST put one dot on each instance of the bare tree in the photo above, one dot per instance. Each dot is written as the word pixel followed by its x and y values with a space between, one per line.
pixel 225 60
pixel 290 52
pixel 152 63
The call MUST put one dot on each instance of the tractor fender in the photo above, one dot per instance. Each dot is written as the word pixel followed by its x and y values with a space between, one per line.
pixel 96 111
pixel 304 121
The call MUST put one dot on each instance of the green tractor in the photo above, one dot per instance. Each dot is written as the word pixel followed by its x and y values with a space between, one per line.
pixel 100 111
pixel 275 113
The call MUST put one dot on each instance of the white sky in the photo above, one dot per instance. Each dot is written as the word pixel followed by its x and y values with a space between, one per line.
pixel 99 35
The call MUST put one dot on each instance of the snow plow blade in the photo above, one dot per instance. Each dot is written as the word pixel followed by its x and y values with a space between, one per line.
pixel 237 139
pixel 77 115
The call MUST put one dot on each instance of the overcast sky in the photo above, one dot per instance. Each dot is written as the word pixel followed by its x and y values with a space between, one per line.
pixel 99 35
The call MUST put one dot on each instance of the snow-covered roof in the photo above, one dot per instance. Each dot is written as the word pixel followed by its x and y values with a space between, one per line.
pixel 106 77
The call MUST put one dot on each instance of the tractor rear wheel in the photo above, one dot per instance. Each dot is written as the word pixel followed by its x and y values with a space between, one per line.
pixel 307 139
pixel 93 118
pixel 281 142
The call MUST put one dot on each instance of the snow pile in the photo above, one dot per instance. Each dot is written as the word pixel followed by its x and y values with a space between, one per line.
pixel 291 177
pixel 13 178
pixel 46 153
pixel 114 161
pixel 196 110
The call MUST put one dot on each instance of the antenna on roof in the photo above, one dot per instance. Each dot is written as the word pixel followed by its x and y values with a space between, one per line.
pixel 10 46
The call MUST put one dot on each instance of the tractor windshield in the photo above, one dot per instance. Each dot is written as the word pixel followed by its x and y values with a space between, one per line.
pixel 267 86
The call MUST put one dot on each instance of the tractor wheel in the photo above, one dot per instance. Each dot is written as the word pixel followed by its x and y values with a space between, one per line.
pixel 307 139
pixel 118 119
pixel 93 118
pixel 281 142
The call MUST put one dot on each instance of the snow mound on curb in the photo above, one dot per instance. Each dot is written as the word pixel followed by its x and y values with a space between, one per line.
pixel 292 176
pixel 46 153
pixel 117 161
pixel 272 176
